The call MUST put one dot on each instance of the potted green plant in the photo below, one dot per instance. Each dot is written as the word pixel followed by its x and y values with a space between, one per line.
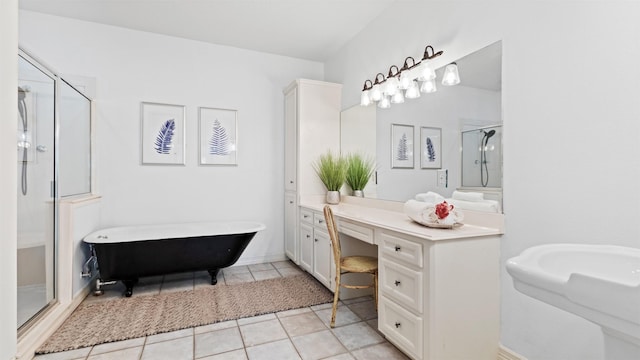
pixel 331 170
pixel 359 171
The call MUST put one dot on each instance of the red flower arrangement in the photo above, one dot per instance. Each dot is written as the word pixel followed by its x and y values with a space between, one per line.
pixel 442 210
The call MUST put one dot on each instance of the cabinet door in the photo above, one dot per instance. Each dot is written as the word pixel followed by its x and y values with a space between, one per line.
pixel 322 257
pixel 290 226
pixel 306 247
pixel 290 140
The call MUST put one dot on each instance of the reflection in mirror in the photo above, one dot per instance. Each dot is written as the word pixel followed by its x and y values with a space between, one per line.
pixel 465 113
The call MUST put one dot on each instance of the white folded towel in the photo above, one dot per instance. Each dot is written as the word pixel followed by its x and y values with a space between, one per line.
pixel 484 205
pixel 430 197
pixel 468 196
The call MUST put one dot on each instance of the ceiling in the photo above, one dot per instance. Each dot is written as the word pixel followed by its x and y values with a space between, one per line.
pixel 305 29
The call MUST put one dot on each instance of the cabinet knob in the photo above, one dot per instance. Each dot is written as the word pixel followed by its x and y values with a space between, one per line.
pixel 308 236
pixel 397 282
pixel 320 221
pixel 305 216
pixel 398 325
pixel 397 248
pixel 290 181
pixel 290 201
pixel 316 240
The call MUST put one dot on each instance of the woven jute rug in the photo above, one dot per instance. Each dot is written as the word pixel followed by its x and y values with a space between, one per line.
pixel 94 323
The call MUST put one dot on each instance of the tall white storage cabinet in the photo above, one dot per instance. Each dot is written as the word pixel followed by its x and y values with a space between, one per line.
pixel 312 127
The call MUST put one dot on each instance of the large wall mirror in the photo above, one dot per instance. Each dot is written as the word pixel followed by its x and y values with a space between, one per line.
pixel 465 121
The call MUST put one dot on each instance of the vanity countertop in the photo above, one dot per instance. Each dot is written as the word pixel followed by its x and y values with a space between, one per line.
pixel 392 219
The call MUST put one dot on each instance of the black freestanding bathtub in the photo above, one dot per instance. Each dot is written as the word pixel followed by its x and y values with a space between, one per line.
pixel 128 253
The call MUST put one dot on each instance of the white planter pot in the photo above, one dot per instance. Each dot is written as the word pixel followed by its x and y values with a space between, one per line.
pixel 333 197
pixel 358 193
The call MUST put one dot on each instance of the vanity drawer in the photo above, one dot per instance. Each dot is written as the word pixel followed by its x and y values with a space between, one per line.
pixel 401 284
pixel 306 216
pixel 318 220
pixel 392 246
pixel 401 327
pixel 357 231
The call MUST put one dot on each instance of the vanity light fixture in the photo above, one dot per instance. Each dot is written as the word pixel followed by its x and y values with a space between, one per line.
pixel 451 76
pixel 389 90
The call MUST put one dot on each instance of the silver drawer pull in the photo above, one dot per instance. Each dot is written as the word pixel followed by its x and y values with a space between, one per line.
pixel 398 325
pixel 397 282
pixel 397 248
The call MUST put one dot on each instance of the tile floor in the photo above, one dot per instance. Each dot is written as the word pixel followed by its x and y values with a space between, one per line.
pixel 293 334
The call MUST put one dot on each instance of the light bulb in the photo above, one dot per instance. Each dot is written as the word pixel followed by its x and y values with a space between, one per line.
pixel 451 76
pixel 413 92
pixel 397 98
pixel 365 99
pixel 376 93
pixel 391 86
pixel 425 71
pixel 428 86
pixel 384 102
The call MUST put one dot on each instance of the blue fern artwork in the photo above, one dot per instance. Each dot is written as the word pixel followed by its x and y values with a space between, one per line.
pixel 164 139
pixel 431 152
pixel 219 143
pixel 402 150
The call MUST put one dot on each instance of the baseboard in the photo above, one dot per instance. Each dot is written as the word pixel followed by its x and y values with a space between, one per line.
pixel 508 354
pixel 250 260
pixel 29 342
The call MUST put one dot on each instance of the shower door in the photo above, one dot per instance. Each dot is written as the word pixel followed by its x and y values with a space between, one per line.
pixel 36 191
pixel 482 157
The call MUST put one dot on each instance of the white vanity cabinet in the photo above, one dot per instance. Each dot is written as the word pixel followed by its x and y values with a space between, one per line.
pixel 312 127
pixel 316 254
pixel 439 299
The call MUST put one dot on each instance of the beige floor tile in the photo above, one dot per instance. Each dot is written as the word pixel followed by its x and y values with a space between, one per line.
pixel 118 345
pixel 177 349
pixel 168 336
pixel 302 324
pixel 283 264
pixel 178 276
pixel 357 300
pixel 66 355
pixel 280 350
pixel 237 278
pixel 217 342
pixel 262 332
pixel 344 316
pixel 318 345
pixel 366 310
pixel 240 354
pixel 216 326
pixel 266 274
pixel 124 354
pixel 328 305
pixel 345 356
pixel 286 313
pixel 356 336
pixel 289 271
pixel 175 285
pixel 236 270
pixel 261 267
pixel 384 351
pixel 255 319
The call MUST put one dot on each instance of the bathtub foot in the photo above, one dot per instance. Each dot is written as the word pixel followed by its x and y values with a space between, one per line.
pixel 129 286
pixel 214 276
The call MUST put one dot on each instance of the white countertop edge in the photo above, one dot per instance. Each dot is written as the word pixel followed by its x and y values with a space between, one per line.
pixel 388 215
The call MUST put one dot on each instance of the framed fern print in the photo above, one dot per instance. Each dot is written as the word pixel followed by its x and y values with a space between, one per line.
pixel 401 146
pixel 163 136
pixel 218 136
pixel 430 148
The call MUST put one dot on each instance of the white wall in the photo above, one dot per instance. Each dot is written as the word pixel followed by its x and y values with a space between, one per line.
pixel 8 176
pixel 570 94
pixel 131 67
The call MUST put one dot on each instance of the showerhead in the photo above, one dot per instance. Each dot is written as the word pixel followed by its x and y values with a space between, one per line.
pixel 489 134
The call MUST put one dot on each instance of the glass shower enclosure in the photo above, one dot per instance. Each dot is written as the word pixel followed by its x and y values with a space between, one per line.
pixel 53 161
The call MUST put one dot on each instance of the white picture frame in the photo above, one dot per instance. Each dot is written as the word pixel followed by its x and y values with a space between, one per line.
pixel 162 134
pixel 218 136
pixel 430 148
pixel 402 146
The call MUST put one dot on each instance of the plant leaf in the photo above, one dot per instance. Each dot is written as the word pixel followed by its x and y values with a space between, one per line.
pixel 164 139
pixel 219 143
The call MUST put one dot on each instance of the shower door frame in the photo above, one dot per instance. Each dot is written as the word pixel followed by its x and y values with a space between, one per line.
pixel 484 188
pixel 38 64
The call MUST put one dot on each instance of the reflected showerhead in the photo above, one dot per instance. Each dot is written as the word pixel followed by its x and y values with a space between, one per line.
pixel 489 134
